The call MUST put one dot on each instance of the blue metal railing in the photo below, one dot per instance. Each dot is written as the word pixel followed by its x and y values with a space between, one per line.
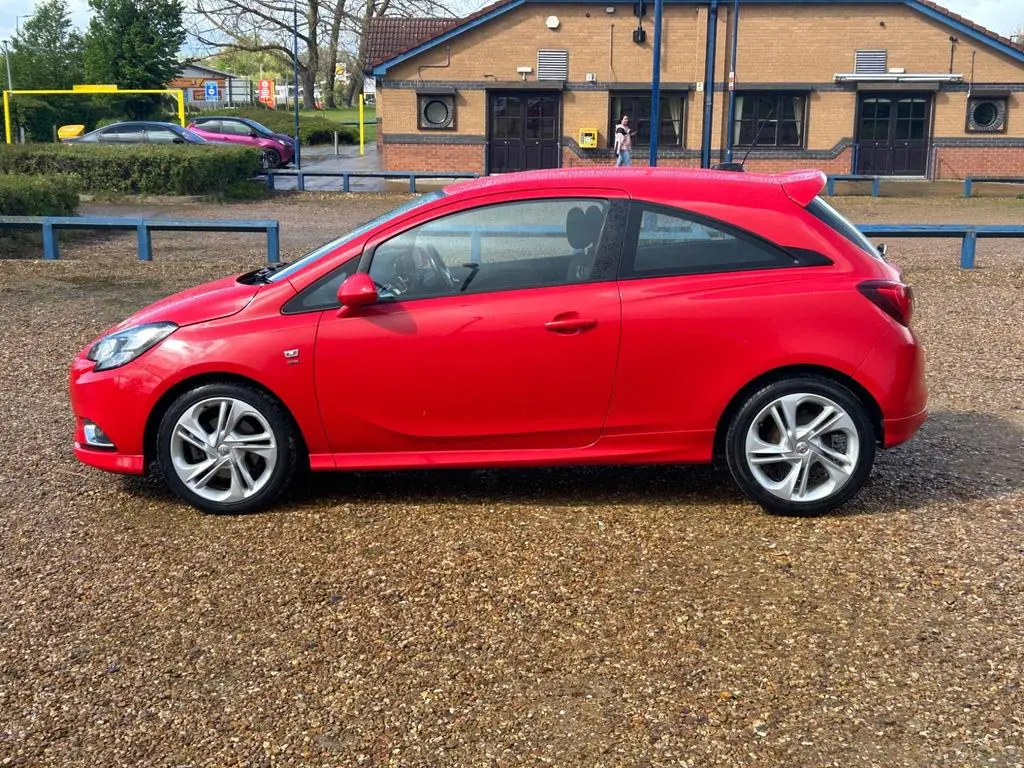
pixel 143 229
pixel 346 176
pixel 968 234
pixel 970 181
pixel 830 181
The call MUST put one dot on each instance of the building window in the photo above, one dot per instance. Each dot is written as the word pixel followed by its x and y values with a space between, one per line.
pixel 638 107
pixel 986 115
pixel 770 120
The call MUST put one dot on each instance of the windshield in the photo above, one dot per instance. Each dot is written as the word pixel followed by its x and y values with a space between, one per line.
pixel 362 229
pixel 842 225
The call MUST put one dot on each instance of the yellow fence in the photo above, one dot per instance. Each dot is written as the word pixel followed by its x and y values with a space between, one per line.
pixel 83 90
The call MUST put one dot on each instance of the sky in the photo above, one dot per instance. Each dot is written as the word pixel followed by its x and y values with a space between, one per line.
pixel 1002 16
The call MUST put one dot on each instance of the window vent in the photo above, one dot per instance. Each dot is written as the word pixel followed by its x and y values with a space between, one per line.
pixel 871 62
pixel 552 65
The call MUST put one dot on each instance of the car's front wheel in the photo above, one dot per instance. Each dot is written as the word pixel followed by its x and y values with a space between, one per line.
pixel 801 446
pixel 270 158
pixel 227 448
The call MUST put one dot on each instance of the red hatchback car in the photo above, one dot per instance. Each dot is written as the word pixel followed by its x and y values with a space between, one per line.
pixel 603 316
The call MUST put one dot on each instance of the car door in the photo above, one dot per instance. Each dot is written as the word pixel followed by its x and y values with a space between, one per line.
pixel 515 351
pixel 704 310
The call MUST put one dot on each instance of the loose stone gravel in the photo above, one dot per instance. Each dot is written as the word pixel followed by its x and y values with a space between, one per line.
pixel 595 616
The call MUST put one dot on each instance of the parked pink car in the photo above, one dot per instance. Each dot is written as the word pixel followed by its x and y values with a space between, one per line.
pixel 277 149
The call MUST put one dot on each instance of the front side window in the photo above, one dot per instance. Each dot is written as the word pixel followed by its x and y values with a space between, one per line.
pixel 315 255
pixel 161 135
pixel 235 128
pixel 509 246
pixel 638 107
pixel 769 120
pixel 671 242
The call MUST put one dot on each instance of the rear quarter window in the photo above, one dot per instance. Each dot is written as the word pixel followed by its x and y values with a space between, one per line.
pixel 836 221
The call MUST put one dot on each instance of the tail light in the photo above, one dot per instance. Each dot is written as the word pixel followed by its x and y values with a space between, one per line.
pixel 894 298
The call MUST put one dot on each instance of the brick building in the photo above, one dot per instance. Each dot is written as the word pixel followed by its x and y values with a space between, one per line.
pixel 901 88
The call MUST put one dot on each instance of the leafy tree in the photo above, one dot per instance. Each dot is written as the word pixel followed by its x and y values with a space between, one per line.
pixel 47 52
pixel 134 44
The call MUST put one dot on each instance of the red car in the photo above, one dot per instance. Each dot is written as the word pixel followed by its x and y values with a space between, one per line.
pixel 602 316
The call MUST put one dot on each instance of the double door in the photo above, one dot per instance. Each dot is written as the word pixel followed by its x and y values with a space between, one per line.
pixel 522 131
pixel 892 134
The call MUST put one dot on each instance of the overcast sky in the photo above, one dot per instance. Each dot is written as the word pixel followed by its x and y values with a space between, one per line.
pixel 1002 16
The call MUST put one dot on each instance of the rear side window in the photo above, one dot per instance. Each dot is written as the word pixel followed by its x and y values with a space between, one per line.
pixel 835 220
pixel 670 242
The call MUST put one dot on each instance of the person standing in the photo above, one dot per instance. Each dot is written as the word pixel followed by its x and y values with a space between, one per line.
pixel 623 141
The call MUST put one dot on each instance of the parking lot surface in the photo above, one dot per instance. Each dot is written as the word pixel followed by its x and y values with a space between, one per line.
pixel 590 616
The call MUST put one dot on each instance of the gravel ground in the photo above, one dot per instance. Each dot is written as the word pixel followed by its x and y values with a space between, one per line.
pixel 599 617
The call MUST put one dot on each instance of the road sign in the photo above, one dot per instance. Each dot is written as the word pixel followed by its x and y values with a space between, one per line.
pixel 212 90
pixel 370 86
pixel 266 93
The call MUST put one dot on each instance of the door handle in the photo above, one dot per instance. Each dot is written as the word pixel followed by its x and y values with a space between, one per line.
pixel 570 324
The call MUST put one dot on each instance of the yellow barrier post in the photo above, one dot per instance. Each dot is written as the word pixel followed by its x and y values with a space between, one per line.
pixel 7 116
pixel 181 107
pixel 362 98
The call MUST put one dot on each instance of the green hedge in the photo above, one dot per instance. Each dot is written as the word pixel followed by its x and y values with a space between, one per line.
pixel 313 129
pixel 26 195
pixel 153 170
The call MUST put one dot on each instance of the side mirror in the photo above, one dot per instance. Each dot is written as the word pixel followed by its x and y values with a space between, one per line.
pixel 357 291
pixel 253 135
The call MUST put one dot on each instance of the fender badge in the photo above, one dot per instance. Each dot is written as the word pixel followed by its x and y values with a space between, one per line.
pixel 292 356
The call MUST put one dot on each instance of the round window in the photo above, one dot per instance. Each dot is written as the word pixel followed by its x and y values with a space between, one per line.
pixel 436 112
pixel 985 114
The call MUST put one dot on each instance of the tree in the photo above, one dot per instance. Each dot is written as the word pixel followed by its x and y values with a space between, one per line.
pixel 47 52
pixel 329 31
pixel 134 44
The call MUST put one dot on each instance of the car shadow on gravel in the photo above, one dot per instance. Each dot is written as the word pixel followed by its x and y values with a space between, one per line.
pixel 955 456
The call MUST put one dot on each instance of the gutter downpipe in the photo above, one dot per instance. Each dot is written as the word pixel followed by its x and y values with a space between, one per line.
pixel 656 85
pixel 709 84
pixel 732 81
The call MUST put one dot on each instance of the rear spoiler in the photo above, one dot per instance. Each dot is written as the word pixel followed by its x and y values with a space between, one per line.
pixel 803 186
pixel 800 186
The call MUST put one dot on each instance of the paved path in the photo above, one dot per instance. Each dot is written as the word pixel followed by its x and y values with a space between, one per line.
pixel 347 159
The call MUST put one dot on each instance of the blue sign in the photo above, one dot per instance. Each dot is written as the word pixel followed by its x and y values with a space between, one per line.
pixel 212 91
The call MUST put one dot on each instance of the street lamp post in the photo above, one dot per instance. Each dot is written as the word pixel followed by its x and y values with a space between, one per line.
pixel 295 61
pixel 656 85
pixel 7 59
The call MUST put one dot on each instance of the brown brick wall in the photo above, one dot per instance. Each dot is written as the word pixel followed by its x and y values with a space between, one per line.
pixel 461 158
pixel 958 162
pixel 795 44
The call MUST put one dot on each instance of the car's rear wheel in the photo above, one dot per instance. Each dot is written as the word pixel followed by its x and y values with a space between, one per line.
pixel 227 448
pixel 270 158
pixel 801 446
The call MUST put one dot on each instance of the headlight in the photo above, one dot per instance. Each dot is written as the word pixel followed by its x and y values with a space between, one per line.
pixel 284 144
pixel 124 346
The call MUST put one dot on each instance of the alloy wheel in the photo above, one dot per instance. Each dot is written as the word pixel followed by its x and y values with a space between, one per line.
pixel 802 447
pixel 223 449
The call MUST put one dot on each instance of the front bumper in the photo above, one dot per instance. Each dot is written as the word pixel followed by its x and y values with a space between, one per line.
pixel 119 401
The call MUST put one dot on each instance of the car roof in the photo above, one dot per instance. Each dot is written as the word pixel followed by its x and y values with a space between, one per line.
pixel 801 186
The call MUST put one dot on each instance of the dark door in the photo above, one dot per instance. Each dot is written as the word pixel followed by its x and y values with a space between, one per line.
pixel 523 132
pixel 892 134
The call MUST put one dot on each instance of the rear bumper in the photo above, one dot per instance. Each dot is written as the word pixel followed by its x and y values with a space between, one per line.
pixel 893 373
pixel 898 431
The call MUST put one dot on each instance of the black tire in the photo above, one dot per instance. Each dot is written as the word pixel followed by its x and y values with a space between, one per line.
pixel 271 158
pixel 281 426
pixel 736 455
